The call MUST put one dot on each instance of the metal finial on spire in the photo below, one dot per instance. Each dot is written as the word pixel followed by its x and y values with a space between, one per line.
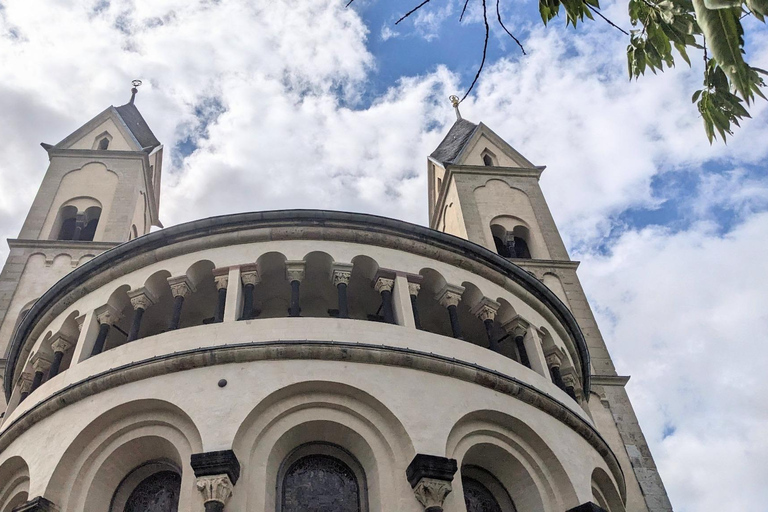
pixel 455 102
pixel 134 89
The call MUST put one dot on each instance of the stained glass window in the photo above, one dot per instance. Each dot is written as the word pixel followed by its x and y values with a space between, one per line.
pixel 156 493
pixel 320 483
pixel 478 498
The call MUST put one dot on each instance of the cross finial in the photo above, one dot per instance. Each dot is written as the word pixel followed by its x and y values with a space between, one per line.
pixel 134 89
pixel 455 102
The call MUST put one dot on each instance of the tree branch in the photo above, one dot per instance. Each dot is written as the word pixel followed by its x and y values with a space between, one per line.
pixel 498 15
pixel 463 10
pixel 597 11
pixel 485 51
pixel 422 4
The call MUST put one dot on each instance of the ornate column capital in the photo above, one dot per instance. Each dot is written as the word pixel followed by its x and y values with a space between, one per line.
pixel 430 477
pixel 251 277
pixel 341 273
pixel 384 284
pixel 41 362
pixel 486 309
pixel 554 358
pixel 221 281
pixel 25 382
pixel 413 288
pixel 294 270
pixel 141 298
pixel 61 343
pixel 215 488
pixel 108 315
pixel 450 295
pixel 181 286
pixel 517 326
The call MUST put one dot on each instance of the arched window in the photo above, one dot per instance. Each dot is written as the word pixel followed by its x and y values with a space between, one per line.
pixel 67 222
pixel 521 248
pixel 511 244
pixel 90 222
pixel 487 160
pixel 151 487
pixel 103 143
pixel 321 478
pixel 75 225
pixel 483 492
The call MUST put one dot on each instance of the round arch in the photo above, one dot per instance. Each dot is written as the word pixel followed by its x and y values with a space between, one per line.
pixel 14 483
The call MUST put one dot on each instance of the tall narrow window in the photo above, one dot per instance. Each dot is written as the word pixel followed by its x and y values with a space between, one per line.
pixel 487 160
pixel 90 223
pixel 521 249
pixel 103 143
pixel 67 223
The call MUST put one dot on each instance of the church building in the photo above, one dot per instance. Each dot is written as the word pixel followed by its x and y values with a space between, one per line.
pixel 305 360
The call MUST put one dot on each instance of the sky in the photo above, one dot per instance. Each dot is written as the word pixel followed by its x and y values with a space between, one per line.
pixel 308 104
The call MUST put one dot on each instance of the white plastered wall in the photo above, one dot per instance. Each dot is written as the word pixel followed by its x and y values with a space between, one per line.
pixel 118 142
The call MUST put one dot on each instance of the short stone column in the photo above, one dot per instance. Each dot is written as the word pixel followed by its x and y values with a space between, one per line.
pixel 40 363
pixel 430 477
pixel 449 297
pixel 217 473
pixel 141 300
pixel 107 316
pixel 221 278
pixel 60 346
pixel 383 283
pixel 38 504
pixel 25 385
pixel 554 361
pixel 571 382
pixel 294 273
pixel 414 286
pixel 181 288
pixel 486 311
pixel 517 329
pixel 250 277
pixel 341 273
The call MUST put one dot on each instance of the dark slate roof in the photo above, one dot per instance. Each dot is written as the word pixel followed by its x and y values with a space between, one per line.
pixel 454 142
pixel 138 126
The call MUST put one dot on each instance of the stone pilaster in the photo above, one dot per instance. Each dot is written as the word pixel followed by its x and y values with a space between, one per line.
pixel 430 477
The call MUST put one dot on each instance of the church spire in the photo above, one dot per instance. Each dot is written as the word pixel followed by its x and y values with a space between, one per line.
pixel 134 90
pixel 455 102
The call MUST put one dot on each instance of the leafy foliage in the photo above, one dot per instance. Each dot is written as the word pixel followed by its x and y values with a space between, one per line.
pixel 658 26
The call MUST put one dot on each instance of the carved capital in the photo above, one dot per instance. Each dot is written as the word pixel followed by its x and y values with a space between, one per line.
pixel 554 359
pixel 215 488
pixel 141 298
pixel 41 363
pixel 516 327
pixel 181 286
pixel 341 273
pixel 413 288
pixel 431 492
pixel 450 295
pixel 251 277
pixel 486 309
pixel 384 284
pixel 25 382
pixel 61 343
pixel 221 281
pixel 294 270
pixel 108 315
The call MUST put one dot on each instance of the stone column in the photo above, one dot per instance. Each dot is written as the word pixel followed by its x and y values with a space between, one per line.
pixel 554 361
pixel 250 278
pixel 221 278
pixel 217 473
pixel 41 363
pixel 181 288
pixel 294 273
pixel 383 283
pixel 106 317
pixel 341 273
pixel 25 385
pixel 517 329
pixel 141 300
pixel 449 297
pixel 413 291
pixel 38 504
pixel 571 382
pixel 430 477
pixel 486 311
pixel 60 345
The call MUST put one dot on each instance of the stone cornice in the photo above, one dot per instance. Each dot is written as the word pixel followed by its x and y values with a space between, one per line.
pixel 610 380
pixel 313 350
pixel 243 228
pixel 21 243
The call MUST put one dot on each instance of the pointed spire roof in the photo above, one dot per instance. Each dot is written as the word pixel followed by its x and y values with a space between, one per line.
pixel 454 142
pixel 137 125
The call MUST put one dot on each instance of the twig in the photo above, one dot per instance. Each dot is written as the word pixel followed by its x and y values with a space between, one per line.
pixel 485 50
pixel 596 11
pixel 463 10
pixel 498 15
pixel 422 4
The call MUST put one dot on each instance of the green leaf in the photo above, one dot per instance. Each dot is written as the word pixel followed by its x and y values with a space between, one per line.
pixel 681 50
pixel 696 96
pixel 724 34
pixel 759 8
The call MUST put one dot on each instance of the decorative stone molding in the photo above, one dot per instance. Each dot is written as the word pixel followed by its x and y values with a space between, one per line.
pixel 450 295
pixel 25 382
pixel 221 281
pixel 413 288
pixel 384 284
pixel 555 357
pixel 41 363
pixel 517 326
pixel 430 477
pixel 108 315
pixel 38 504
pixel 216 488
pixel 61 343
pixel 486 309
pixel 295 270
pixel 251 277
pixel 341 273
pixel 141 298
pixel 181 286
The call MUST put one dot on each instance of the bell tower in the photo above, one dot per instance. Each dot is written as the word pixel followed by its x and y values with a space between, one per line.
pixel 480 188
pixel 102 188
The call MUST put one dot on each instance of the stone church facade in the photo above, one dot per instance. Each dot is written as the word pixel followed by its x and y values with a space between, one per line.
pixel 304 360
